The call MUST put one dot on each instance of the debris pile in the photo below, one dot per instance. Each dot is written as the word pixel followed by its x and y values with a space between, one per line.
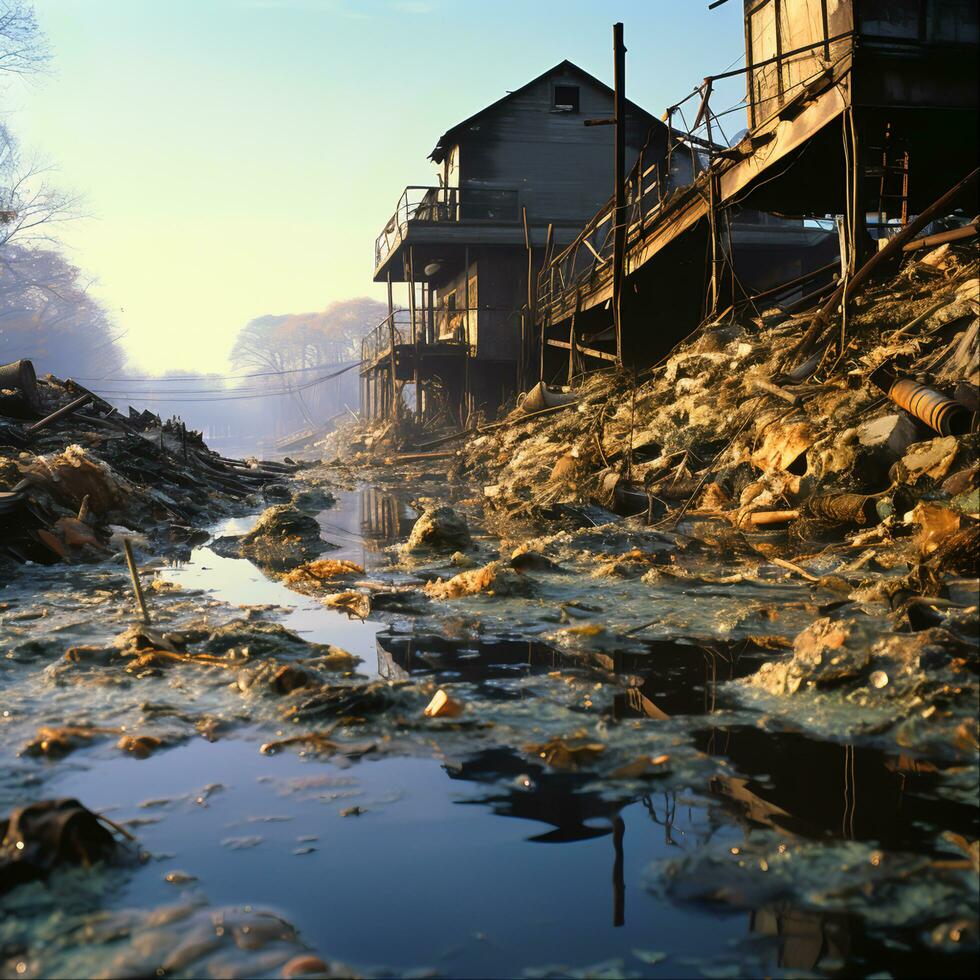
pixel 872 450
pixel 76 475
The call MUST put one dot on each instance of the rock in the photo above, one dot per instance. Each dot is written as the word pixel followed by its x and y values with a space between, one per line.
pixel 849 655
pixel 276 491
pixel 439 529
pixel 826 652
pixel 37 837
pixel 314 500
pixel 892 432
pixel 304 966
pixel 532 561
pixel 283 538
pixel 460 559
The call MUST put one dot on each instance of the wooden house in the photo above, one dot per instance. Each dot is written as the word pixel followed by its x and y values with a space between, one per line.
pixel 515 178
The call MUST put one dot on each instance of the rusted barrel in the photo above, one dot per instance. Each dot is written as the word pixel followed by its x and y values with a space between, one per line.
pixel 541 396
pixel 940 413
pixel 20 376
pixel 843 508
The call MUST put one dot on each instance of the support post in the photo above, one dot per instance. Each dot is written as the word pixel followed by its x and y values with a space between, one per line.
pixel 415 333
pixel 715 242
pixel 546 261
pixel 391 337
pixel 467 395
pixel 619 217
pixel 527 329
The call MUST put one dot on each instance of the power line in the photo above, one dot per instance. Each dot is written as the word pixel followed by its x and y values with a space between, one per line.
pixel 217 396
pixel 214 377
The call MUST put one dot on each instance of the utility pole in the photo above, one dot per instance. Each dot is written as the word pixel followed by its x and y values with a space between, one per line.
pixel 619 197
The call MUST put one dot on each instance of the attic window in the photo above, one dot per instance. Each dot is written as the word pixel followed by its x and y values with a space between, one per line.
pixel 565 98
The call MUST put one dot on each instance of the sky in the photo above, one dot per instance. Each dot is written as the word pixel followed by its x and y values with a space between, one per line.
pixel 239 157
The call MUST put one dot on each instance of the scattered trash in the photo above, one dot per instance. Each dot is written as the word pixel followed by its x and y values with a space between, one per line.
pixel 443 706
pixel 39 837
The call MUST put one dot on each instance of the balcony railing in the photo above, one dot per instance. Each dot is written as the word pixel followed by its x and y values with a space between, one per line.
pixel 437 326
pixel 492 205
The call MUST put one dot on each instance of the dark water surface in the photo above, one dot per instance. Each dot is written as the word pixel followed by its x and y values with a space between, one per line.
pixel 487 863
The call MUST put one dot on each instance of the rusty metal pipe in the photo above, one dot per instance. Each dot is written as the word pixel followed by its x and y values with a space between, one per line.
pixel 940 413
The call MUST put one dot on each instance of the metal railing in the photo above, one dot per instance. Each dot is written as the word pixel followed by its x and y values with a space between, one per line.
pixel 438 326
pixel 586 263
pixel 494 205
pixel 652 192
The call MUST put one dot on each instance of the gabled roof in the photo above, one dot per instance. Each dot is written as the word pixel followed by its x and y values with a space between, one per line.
pixel 567 67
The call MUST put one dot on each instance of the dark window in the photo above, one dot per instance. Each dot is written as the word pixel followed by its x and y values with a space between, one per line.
pixel 565 98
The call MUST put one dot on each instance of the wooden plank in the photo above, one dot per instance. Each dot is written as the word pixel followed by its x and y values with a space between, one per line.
pixel 599 354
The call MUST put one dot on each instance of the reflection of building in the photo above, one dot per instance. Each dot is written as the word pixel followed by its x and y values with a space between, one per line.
pixel 402 654
pixel 514 180
pixel 383 516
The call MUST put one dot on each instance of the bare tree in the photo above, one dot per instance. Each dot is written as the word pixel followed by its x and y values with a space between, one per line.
pixel 23 46
pixel 47 314
pixel 305 346
pixel 31 207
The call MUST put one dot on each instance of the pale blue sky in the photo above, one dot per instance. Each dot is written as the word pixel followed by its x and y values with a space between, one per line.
pixel 238 157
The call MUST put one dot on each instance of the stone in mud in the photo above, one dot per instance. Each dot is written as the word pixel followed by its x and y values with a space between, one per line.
pixel 497 579
pixel 894 433
pixel 826 652
pixel 314 500
pixel 851 655
pixel 257 638
pixel 345 701
pixel 275 678
pixel 533 561
pixel 283 538
pixel 276 491
pixel 439 529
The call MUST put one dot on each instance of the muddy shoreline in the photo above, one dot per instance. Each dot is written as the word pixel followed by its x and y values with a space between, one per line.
pixel 709 828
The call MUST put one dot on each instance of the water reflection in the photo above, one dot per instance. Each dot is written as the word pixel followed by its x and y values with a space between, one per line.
pixel 385 516
pixel 402 655
pixel 556 799
pixel 811 788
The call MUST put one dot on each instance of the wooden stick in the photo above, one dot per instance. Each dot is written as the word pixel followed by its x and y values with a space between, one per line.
pixel 61 413
pixel 761 518
pixel 134 575
pixel 955 235
pixel 783 563
pixel 787 396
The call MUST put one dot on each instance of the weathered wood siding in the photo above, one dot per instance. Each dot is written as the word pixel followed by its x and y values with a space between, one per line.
pixel 498 289
pixel 911 53
pixel 563 168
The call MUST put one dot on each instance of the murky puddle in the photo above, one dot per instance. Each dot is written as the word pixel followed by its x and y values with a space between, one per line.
pixel 403 863
pixel 352 524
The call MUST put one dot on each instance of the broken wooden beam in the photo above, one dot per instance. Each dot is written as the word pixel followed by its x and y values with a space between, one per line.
pixel 59 414
pixel 942 237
